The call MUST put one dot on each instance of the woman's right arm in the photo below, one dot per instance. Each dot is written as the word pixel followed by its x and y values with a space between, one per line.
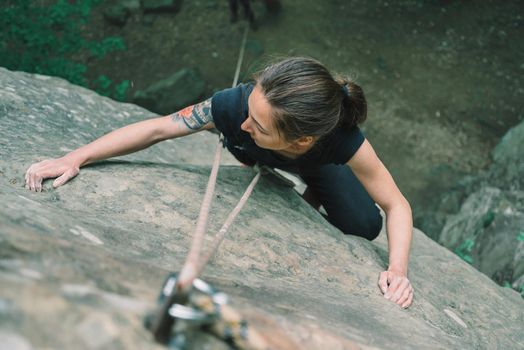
pixel 128 139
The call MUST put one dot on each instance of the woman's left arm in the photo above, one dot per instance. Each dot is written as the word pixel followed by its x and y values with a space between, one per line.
pixel 380 185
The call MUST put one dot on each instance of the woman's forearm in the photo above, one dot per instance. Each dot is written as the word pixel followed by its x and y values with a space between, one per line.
pixel 399 224
pixel 128 139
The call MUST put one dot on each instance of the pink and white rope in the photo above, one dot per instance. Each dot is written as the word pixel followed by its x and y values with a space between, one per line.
pixel 193 267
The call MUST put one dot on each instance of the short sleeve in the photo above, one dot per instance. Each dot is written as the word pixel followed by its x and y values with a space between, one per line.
pixel 229 109
pixel 347 143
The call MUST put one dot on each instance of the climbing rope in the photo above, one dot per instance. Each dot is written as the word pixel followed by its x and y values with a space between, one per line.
pixel 191 268
pixel 176 290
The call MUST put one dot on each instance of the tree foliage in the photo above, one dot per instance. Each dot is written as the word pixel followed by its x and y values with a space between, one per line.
pixel 42 38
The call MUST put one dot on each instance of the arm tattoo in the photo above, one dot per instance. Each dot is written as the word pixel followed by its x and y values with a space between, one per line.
pixel 196 116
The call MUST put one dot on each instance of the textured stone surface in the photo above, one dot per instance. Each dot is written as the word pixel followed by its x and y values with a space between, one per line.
pixel 486 231
pixel 88 258
pixel 505 174
pixel 473 217
pixel 508 158
pixel 482 216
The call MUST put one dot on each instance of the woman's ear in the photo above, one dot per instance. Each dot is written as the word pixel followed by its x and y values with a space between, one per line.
pixel 304 141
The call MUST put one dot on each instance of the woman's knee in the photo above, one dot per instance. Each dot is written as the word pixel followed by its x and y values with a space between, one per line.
pixel 348 205
pixel 366 226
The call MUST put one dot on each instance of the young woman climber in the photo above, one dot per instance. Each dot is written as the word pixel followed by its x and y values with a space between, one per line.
pixel 295 116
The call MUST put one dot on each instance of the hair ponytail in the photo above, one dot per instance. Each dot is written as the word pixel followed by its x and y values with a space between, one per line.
pixel 354 106
pixel 307 100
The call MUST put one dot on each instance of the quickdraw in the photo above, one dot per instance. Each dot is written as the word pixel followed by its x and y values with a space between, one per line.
pixel 205 309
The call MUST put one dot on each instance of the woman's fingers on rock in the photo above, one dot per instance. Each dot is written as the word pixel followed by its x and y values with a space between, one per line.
pixel 383 282
pixel 28 175
pixel 31 182
pixel 409 301
pixel 402 287
pixel 61 180
pixel 37 183
pixel 404 296
pixel 27 179
pixel 31 176
pixel 40 171
pixel 68 175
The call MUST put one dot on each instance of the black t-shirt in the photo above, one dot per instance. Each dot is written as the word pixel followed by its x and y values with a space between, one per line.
pixel 229 109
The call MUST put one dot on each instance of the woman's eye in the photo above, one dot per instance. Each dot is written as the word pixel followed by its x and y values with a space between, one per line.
pixel 260 130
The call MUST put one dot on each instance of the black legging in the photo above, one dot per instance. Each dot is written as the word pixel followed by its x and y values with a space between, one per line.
pixel 349 207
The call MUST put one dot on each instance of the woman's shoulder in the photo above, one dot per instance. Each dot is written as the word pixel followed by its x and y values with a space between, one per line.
pixel 340 145
pixel 231 96
pixel 349 141
pixel 229 108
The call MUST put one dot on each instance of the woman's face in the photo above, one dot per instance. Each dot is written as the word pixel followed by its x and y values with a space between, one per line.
pixel 259 124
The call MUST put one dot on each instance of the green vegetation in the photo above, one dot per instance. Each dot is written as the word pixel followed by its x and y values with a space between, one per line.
pixel 464 250
pixel 507 284
pixel 488 219
pixel 104 86
pixel 42 39
pixel 519 289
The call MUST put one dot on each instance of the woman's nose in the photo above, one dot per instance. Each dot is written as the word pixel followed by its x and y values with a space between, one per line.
pixel 245 125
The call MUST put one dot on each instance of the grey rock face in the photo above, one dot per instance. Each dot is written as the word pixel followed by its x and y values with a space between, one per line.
pixel 505 173
pixel 508 168
pixel 476 213
pixel 486 233
pixel 173 93
pixel 85 261
pixel 486 229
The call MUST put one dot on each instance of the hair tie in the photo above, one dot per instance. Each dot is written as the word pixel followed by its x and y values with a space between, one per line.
pixel 345 90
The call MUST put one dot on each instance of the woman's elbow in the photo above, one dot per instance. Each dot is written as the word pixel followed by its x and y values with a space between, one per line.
pixel 399 204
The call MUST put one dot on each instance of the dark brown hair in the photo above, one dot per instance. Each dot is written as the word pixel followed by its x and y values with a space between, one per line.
pixel 307 100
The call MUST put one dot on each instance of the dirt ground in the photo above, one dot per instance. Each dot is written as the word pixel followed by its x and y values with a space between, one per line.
pixel 444 79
